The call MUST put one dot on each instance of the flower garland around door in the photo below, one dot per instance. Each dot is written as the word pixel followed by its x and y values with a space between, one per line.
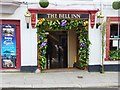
pixel 81 27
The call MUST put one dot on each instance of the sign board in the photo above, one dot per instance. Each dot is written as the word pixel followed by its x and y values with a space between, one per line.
pixel 64 16
pixel 8 46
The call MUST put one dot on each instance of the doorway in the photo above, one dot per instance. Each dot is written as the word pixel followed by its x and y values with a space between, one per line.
pixel 57 50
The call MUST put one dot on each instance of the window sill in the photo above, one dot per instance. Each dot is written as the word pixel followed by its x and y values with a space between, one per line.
pixel 114 60
pixel 111 62
pixel 114 38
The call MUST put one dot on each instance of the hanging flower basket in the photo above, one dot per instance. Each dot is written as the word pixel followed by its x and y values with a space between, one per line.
pixel 116 5
pixel 44 3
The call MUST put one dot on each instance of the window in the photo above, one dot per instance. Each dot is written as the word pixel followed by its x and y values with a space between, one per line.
pixel 113 39
pixel 114 36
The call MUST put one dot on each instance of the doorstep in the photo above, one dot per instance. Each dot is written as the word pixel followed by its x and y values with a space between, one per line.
pixel 62 70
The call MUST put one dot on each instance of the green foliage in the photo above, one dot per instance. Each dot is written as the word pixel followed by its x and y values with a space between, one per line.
pixel 116 5
pixel 44 3
pixel 114 55
pixel 42 46
pixel 103 31
pixel 83 51
pixel 81 28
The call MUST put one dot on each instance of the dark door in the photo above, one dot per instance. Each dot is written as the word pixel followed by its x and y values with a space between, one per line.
pixel 57 49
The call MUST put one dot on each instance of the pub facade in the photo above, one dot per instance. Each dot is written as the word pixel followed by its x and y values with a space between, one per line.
pixel 19 49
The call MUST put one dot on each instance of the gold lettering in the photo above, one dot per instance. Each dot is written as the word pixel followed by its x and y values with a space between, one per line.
pixel 55 15
pixel 52 15
pixel 72 15
pixel 63 15
pixel 68 15
pixel 78 15
pixel 48 15
pixel 75 15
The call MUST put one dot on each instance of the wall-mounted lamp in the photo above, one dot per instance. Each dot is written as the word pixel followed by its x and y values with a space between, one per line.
pixel 100 19
pixel 27 18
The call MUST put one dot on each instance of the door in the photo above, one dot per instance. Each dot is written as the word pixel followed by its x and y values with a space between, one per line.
pixel 57 49
pixel 10 54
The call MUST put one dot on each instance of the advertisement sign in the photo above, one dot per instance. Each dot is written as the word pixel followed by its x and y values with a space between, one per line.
pixel 8 46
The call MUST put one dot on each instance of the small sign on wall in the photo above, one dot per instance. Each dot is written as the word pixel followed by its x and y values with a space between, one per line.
pixel 8 46
pixel 115 43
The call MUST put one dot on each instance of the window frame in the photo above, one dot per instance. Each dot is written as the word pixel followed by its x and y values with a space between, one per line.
pixel 109 20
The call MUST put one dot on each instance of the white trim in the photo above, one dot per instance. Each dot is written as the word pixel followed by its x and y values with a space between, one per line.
pixel 8 8
pixel 111 62
pixel 68 49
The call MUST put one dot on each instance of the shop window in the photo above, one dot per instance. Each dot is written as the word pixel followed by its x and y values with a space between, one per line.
pixel 113 40
pixel 114 53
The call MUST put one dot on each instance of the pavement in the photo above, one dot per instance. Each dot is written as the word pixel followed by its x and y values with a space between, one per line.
pixel 61 79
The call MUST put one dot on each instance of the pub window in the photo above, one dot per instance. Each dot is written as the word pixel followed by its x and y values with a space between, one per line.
pixel 114 53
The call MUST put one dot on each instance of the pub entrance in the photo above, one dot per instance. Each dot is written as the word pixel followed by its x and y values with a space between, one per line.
pixel 62 49
pixel 57 50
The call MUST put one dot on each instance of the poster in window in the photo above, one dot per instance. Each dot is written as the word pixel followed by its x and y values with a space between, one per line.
pixel 8 46
pixel 115 43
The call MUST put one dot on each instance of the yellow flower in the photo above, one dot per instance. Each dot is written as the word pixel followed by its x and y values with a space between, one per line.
pixel 84 24
pixel 87 22
pixel 40 21
pixel 43 19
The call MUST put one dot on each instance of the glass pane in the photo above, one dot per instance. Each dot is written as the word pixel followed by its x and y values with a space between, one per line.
pixel 114 53
pixel 114 31
pixel 112 46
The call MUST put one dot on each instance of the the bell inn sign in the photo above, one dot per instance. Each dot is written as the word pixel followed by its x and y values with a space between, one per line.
pixel 65 16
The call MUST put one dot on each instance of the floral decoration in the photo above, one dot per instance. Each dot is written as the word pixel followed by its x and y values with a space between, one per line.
pixel 81 27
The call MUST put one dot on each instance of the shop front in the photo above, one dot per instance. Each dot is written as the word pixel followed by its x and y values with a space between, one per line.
pixel 65 37
pixel 63 43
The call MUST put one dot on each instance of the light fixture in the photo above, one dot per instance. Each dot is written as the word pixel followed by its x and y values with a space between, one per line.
pixel 100 18
pixel 27 18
